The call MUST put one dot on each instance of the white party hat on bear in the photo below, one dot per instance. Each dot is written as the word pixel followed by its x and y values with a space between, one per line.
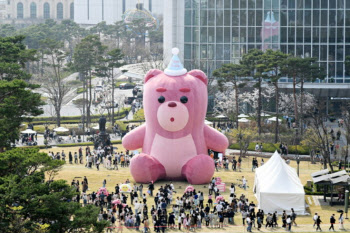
pixel 175 67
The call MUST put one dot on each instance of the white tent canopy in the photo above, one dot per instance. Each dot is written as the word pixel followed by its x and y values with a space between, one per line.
pixel 208 122
pixel 243 120
pixel 242 116
pixel 61 129
pixel 274 119
pixel 221 116
pixel 28 131
pixel 277 187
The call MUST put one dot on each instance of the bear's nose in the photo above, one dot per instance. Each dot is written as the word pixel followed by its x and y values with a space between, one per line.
pixel 172 104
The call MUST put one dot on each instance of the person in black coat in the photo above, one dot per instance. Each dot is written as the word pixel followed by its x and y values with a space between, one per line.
pixel 70 157
pixel 332 221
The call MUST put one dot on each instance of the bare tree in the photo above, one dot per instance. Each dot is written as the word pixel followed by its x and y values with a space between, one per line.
pixel 346 118
pixel 54 84
pixel 318 136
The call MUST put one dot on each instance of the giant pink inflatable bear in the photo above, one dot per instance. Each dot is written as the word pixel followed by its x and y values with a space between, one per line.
pixel 174 139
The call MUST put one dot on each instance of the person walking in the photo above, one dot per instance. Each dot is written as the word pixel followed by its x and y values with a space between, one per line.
pixel 341 221
pixel 145 224
pixel 318 223
pixel 294 216
pixel 98 165
pixel 244 183
pixel 332 221
pixel 70 157
pixel 75 157
pixel 120 226
pixel 289 223
pixel 249 224
pixel 315 217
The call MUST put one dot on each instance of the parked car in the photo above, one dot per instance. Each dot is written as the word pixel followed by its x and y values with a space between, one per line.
pixel 126 86
pixel 129 100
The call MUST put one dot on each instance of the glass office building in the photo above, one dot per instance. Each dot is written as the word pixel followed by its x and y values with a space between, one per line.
pixel 220 31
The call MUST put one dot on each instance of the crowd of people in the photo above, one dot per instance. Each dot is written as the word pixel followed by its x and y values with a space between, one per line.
pixel 167 207
pixel 109 158
pixel 189 211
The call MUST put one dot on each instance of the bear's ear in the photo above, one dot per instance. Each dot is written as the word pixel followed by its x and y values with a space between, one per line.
pixel 200 75
pixel 152 73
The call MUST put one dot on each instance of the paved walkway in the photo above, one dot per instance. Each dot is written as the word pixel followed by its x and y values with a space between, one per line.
pixel 264 154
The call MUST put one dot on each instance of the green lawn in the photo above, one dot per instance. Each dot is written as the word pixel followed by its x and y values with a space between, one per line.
pixel 69 172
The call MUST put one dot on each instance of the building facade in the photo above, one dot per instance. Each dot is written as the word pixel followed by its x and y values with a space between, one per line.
pixel 91 12
pixel 3 5
pixel 213 32
pixel 28 11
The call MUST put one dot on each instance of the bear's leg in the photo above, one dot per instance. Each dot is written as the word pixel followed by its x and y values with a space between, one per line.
pixel 199 170
pixel 145 169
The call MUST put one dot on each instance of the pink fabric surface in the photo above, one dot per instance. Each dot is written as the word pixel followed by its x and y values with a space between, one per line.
pixel 103 190
pixel 174 139
pixel 189 189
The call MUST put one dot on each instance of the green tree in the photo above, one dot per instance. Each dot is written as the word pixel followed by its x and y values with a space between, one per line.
pixel 107 68
pixel 17 101
pixel 117 31
pixel 100 28
pixel 255 66
pixel 275 62
pixel 293 70
pixel 31 198
pixel 87 56
pixel 231 73
pixel 13 57
pixel 67 31
pixel 7 30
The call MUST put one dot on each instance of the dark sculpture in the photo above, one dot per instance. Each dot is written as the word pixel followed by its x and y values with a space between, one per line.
pixel 102 124
pixel 103 138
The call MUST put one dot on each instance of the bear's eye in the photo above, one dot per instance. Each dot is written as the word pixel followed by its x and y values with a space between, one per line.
pixel 161 99
pixel 183 99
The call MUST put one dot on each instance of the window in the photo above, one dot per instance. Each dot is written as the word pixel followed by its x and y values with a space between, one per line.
pixel 59 10
pixel 219 35
pixel 340 18
pixel 188 17
pixel 307 35
pixel 340 53
pixel 315 51
pixel 72 10
pixel 332 35
pixel 316 18
pixel 46 10
pixel 204 32
pixel 33 10
pixel 323 35
pixel 19 10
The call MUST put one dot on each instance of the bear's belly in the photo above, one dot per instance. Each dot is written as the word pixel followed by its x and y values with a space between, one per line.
pixel 173 153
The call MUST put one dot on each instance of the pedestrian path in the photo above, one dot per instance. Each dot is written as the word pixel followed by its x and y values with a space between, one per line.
pixel 264 154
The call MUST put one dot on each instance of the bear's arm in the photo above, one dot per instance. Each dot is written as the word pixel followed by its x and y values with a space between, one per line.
pixel 215 140
pixel 134 139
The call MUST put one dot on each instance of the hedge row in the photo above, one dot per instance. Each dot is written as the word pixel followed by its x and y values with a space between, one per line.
pixel 271 148
pixel 308 191
pixel 85 144
pixel 77 121
pixel 44 119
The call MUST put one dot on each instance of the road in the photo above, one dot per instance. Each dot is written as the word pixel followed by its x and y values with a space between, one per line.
pixel 69 109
